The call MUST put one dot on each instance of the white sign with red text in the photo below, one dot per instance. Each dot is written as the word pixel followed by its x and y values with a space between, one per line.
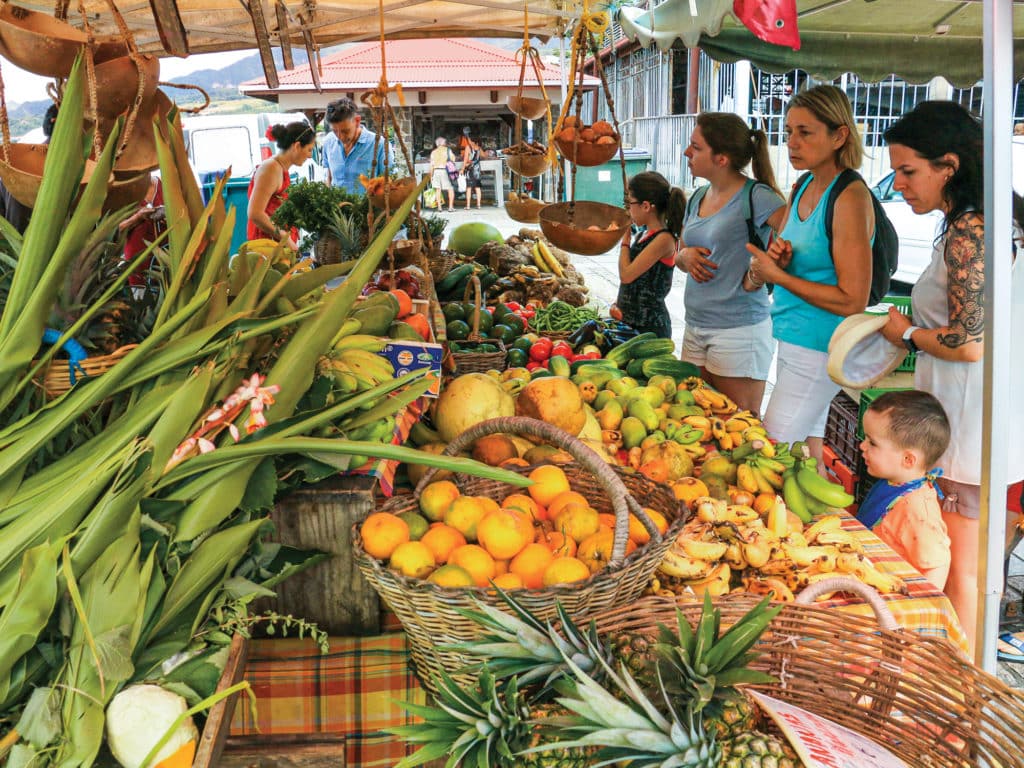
pixel 820 743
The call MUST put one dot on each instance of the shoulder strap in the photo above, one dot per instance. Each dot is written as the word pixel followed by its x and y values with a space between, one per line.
pixel 753 236
pixel 846 177
pixel 693 204
pixel 801 182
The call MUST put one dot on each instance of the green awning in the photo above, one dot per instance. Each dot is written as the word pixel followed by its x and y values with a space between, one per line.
pixel 914 39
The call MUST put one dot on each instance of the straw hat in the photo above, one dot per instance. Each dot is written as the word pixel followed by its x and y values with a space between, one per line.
pixel 859 355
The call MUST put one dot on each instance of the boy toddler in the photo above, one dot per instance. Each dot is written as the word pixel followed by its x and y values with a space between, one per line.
pixel 905 433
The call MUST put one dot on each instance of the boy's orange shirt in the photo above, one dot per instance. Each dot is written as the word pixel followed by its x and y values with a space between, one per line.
pixel 914 528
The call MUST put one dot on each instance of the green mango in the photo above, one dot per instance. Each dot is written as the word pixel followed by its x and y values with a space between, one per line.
pixel 651 395
pixel 633 432
pixel 403 332
pixel 602 398
pixel 682 411
pixel 683 397
pixel 375 320
pixel 619 386
pixel 642 410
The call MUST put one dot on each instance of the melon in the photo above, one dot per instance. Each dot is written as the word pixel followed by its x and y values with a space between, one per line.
pixel 468 400
pixel 467 238
pixel 556 400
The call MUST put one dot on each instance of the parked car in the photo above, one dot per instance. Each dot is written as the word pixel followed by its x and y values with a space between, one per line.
pixel 917 232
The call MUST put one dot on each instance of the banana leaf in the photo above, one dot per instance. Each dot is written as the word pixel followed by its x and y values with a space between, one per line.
pixel 29 611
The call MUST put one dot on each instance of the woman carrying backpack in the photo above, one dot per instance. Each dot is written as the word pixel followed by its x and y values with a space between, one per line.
pixel 471 168
pixel 817 283
pixel 728 329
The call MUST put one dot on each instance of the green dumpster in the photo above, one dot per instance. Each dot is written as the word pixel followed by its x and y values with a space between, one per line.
pixel 603 183
pixel 235 193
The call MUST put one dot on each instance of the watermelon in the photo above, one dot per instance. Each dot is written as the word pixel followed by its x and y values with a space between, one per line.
pixel 467 238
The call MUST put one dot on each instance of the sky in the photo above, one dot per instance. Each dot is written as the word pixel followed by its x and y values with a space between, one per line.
pixel 20 86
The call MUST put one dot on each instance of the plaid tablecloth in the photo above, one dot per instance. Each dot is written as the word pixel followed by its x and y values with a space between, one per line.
pixel 925 609
pixel 352 691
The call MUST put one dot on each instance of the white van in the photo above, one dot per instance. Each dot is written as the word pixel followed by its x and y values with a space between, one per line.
pixel 215 142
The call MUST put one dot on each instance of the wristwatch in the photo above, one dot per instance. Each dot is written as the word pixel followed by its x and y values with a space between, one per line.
pixel 908 341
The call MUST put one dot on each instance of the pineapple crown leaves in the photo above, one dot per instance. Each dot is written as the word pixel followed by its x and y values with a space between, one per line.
pixel 473 727
pixel 522 645
pixel 634 731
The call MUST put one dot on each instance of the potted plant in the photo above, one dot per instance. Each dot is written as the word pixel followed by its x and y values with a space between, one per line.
pixel 314 207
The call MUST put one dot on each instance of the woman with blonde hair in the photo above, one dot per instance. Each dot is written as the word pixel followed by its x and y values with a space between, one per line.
pixel 728 329
pixel 817 283
pixel 439 178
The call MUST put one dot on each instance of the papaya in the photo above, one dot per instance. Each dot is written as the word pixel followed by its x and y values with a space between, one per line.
pixel 375 320
pixel 403 332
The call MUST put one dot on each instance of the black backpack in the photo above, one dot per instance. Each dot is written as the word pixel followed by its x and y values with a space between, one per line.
pixel 693 206
pixel 885 250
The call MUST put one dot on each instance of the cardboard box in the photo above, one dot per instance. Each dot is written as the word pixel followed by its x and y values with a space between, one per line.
pixel 409 356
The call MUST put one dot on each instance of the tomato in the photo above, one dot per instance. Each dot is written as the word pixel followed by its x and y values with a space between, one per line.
pixel 588 356
pixel 533 365
pixel 515 306
pixel 562 348
pixel 541 350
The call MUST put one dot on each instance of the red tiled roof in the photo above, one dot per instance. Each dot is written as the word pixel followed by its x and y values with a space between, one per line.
pixel 435 63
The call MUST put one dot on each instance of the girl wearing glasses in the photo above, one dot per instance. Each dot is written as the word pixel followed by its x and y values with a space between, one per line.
pixel 647 262
pixel 268 187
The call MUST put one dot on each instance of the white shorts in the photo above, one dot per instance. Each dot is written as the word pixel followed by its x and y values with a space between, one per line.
pixel 744 352
pixel 439 179
pixel 800 400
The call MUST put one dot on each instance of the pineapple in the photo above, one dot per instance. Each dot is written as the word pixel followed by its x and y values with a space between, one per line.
pixel 346 229
pixel 704 669
pixel 759 750
pixel 484 727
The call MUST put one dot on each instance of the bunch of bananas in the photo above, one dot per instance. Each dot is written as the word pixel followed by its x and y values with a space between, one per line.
pixel 354 365
pixel 730 548
pixel 760 468
pixel 806 492
pixel 711 400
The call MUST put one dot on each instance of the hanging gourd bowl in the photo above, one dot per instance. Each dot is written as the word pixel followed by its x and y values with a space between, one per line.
pixel 122 193
pixel 139 155
pixel 37 42
pixel 527 107
pixel 587 153
pixel 525 210
pixel 527 164
pixel 117 82
pixel 398 191
pixel 583 226
pixel 23 173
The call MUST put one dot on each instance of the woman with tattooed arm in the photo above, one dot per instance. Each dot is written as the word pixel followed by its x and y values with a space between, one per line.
pixel 936 152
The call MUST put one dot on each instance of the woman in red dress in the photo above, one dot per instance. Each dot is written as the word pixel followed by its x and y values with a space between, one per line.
pixel 268 187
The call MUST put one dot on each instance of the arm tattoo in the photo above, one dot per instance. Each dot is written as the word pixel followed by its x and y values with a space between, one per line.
pixel 965 276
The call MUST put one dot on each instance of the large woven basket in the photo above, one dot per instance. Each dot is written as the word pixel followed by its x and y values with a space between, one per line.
pixel 56 376
pixel 430 614
pixel 914 694
pixel 478 362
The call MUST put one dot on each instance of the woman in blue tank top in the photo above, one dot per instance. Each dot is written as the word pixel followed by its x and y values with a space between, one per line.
pixel 815 286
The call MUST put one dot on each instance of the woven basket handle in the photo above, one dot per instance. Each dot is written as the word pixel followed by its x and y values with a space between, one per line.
pixel 848 584
pixel 620 497
pixel 474 285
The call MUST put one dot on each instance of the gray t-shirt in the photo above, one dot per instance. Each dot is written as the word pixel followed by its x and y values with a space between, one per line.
pixel 721 302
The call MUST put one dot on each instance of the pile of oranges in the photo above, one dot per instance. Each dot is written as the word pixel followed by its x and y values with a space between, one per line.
pixel 546 536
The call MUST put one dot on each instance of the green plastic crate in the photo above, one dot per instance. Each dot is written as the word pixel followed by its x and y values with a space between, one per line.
pixel 902 303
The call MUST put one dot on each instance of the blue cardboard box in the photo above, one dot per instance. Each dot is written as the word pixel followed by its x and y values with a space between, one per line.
pixel 409 356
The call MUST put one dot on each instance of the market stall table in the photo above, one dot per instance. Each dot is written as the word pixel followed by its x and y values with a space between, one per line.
pixel 352 690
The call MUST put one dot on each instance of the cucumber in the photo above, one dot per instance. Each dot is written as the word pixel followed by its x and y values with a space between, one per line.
pixel 634 368
pixel 559 366
pixel 654 348
pixel 667 365
pixel 623 353
pixel 447 285
pixel 582 366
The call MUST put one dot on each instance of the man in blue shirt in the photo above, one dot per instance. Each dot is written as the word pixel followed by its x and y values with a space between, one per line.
pixel 348 148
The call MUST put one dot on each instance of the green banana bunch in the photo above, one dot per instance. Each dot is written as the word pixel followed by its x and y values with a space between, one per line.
pixel 817 487
pixel 368 368
pixel 361 341
pixel 794 497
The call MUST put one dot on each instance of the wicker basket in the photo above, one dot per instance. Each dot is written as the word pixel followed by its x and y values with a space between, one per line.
pixel 430 614
pixel 56 376
pixel 478 362
pixel 914 694
pixel 327 250
pixel 565 225
pixel 441 263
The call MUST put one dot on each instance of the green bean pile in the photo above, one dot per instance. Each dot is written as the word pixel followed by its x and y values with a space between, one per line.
pixel 559 316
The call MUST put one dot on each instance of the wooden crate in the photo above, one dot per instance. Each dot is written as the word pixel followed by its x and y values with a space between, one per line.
pixel 334 593
pixel 313 751
pixel 218 720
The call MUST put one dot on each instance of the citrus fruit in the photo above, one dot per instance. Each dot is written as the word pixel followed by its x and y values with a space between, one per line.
pixel 530 565
pixel 441 539
pixel 413 559
pixel 524 503
pixel 437 497
pixel 596 550
pixel 494 449
pixel 451 576
pixel 508 581
pixel 763 502
pixel 488 504
pixel 463 514
pixel 637 532
pixel 564 570
pixel 569 497
pixel 658 519
pixel 606 520
pixel 559 544
pixel 504 532
pixel 476 560
pixel 500 567
pixel 548 482
pixel 577 521
pixel 417 523
pixel 382 532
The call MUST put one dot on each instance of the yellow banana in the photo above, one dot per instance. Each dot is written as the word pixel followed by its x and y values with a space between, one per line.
pixel 360 341
pixel 845 541
pixel 737 423
pixel 709 510
pixel 795 538
pixel 886 583
pixel 740 514
pixel 683 567
pixel 538 259
pixel 755 433
pixel 778 518
pixel 745 478
pixel 352 325
pixel 734 556
pixel 725 442
pixel 775 587
pixel 774 478
pixel 756 552
pixel 850 562
pixel 737 437
pixel 822 524
pixel 549 258
pixel 760 481
pixel 716 583
pixel 369 360
pixel 714 397
pixel 712 551
pixel 805 578
pixel 808 556
pixel 768 452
